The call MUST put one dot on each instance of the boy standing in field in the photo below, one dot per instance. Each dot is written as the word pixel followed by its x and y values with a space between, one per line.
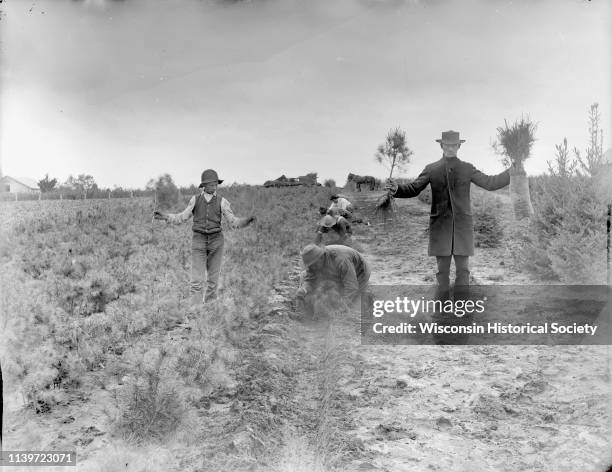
pixel 208 210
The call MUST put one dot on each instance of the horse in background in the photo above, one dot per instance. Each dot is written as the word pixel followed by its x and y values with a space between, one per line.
pixel 360 180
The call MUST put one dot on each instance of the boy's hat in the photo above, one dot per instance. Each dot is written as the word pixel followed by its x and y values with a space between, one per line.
pixel 208 176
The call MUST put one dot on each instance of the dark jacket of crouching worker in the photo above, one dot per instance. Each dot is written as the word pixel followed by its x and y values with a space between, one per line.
pixel 334 230
pixel 336 269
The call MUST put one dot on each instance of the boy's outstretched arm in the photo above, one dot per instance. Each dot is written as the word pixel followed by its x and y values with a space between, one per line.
pixel 233 220
pixel 176 218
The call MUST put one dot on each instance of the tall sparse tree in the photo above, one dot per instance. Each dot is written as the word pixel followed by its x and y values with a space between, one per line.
pixel 563 165
pixel 592 161
pixel 394 152
pixel 46 184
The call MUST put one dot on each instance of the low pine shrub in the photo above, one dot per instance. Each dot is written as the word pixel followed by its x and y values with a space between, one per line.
pixel 149 405
pixel 487 210
pixel 565 240
pixel 487 230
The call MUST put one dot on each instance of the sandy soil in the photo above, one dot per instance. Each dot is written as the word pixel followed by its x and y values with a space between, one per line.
pixel 474 408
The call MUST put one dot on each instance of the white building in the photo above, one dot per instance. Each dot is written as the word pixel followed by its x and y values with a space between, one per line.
pixel 18 185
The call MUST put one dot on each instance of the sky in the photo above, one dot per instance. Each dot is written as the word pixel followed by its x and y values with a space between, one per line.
pixel 126 90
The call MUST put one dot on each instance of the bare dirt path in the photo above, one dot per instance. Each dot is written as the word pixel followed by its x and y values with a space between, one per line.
pixel 473 408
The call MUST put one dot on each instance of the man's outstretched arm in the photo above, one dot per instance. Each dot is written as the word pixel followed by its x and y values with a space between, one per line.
pixel 413 188
pixel 491 182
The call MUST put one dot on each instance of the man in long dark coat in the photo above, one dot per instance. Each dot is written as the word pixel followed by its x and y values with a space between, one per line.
pixel 451 228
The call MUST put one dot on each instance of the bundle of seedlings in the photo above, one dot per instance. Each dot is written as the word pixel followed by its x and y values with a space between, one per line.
pixel 386 207
pixel 514 143
pixel 395 154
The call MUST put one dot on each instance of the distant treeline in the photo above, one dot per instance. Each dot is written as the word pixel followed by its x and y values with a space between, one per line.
pixel 74 194
pixel 70 194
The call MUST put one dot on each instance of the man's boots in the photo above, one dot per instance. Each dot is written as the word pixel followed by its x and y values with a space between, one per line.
pixel 443 287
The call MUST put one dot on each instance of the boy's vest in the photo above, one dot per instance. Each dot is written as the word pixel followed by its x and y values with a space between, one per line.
pixel 207 215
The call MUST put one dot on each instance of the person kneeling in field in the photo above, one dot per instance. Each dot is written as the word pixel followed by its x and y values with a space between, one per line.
pixel 342 267
pixel 208 210
pixel 338 226
pixel 340 206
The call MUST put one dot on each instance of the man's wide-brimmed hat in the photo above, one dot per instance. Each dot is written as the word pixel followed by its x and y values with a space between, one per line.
pixel 209 176
pixel 311 254
pixel 450 137
pixel 328 221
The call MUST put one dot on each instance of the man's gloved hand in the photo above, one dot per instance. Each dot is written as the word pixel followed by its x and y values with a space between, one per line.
pixel 251 219
pixel 158 215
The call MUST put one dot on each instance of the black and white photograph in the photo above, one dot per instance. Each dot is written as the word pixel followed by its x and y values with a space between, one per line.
pixel 306 236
